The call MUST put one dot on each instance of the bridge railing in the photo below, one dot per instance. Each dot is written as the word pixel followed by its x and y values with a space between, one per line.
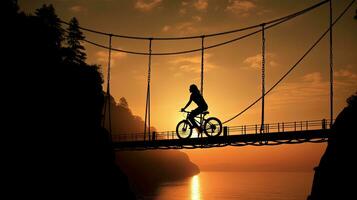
pixel 280 127
pixel 232 130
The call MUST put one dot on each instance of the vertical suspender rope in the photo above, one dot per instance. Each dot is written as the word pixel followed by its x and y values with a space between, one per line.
pixel 202 61
pixel 108 86
pixel 149 93
pixel 263 77
pixel 147 109
pixel 331 68
pixel 202 69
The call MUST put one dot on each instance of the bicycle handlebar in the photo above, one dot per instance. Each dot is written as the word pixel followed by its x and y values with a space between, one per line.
pixel 184 111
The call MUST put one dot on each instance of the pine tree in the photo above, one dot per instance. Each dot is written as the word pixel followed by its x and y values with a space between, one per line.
pixel 9 7
pixel 76 51
pixel 52 22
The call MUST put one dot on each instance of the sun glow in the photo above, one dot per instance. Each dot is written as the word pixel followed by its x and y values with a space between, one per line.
pixel 195 188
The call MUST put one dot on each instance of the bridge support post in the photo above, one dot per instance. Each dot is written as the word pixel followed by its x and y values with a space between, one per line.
pixel 225 131
pixel 147 108
pixel 331 68
pixel 108 96
pixel 263 77
pixel 153 136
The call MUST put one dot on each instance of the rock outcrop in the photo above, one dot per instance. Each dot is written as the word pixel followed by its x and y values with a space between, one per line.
pixel 335 176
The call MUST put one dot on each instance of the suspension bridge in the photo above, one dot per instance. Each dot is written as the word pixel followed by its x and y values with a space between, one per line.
pixel 257 134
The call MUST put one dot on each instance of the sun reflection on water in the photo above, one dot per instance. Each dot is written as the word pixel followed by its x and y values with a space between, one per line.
pixel 195 188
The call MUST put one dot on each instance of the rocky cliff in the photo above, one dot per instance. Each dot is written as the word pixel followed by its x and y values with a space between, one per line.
pixel 334 177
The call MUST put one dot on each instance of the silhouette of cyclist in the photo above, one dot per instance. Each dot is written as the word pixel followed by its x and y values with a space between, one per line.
pixel 201 103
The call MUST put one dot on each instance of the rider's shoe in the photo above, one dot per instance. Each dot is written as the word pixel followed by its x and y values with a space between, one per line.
pixel 199 130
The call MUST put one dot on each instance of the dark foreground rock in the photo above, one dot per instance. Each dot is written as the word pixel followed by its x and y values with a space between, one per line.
pixel 335 176
pixel 147 169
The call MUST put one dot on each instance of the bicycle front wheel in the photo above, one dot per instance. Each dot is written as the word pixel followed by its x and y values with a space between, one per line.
pixel 212 127
pixel 183 129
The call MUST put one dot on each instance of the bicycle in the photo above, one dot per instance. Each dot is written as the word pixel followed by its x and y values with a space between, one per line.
pixel 211 126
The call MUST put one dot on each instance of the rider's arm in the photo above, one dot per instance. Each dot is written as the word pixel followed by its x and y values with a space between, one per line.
pixel 188 103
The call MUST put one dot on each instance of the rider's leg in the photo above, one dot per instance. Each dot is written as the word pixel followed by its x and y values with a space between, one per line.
pixel 192 116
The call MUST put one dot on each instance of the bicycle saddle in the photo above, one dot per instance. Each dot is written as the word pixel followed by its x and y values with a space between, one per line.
pixel 205 112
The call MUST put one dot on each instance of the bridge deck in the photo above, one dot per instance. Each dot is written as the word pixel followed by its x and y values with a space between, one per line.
pixel 289 137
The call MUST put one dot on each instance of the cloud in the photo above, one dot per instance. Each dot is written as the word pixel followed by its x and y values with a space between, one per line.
pixel 184 3
pixel 166 28
pixel 240 7
pixel 183 28
pixel 312 88
pixel 345 79
pixel 345 73
pixel 309 89
pixel 78 9
pixel 146 5
pixel 192 64
pixel 182 11
pixel 138 76
pixel 201 5
pixel 314 77
pixel 255 62
pixel 102 57
pixel 197 18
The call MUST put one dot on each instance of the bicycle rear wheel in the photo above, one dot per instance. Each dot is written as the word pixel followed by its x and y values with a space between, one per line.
pixel 183 129
pixel 212 127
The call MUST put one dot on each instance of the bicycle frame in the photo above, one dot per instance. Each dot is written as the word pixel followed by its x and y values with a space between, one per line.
pixel 211 126
pixel 199 122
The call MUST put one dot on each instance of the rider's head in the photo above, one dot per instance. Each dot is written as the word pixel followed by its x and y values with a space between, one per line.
pixel 194 89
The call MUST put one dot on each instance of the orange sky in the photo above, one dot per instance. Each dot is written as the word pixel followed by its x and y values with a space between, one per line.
pixel 232 72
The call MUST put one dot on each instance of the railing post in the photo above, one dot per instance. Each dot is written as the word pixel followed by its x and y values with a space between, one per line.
pixel 307 125
pixel 225 131
pixel 294 126
pixel 278 127
pixel 323 124
pixel 153 135
pixel 300 125
pixel 283 127
pixel 256 129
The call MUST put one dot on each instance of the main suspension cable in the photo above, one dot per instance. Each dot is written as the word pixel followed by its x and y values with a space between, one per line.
pixel 296 64
pixel 199 36
pixel 197 49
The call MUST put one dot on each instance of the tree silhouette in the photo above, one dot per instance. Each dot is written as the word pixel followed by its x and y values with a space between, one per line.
pixel 53 113
pixel 76 52
pixel 11 8
pixel 352 100
pixel 123 103
pixel 51 25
